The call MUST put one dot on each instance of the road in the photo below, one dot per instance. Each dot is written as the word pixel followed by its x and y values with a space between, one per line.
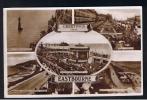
pixel 115 78
pixel 135 78
pixel 27 86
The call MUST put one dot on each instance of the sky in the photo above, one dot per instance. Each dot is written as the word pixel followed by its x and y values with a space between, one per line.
pixel 92 39
pixel 14 59
pixel 120 14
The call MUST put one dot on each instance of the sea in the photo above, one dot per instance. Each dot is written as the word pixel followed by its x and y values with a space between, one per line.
pixel 97 47
pixel 32 22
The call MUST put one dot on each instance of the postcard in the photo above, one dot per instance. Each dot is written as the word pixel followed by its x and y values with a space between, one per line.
pixel 73 52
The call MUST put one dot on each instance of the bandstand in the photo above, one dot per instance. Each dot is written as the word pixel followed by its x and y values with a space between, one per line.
pixel 80 53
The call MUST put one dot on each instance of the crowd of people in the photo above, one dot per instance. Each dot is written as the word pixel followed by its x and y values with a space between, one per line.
pixel 125 41
pixel 58 61
pixel 130 36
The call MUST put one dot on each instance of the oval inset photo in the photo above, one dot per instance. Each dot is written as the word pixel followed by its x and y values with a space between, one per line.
pixel 76 53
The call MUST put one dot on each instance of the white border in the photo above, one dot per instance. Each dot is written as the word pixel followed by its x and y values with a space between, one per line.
pixel 60 95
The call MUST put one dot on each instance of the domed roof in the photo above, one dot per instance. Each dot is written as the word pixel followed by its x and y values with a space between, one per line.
pixel 74 37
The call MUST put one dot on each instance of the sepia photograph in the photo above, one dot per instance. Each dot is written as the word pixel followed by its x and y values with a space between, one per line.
pixel 26 27
pixel 26 77
pixel 68 52
pixel 122 27
pixel 119 77
pixel 73 52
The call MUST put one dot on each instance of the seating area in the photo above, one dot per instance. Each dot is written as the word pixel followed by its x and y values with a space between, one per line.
pixel 59 61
